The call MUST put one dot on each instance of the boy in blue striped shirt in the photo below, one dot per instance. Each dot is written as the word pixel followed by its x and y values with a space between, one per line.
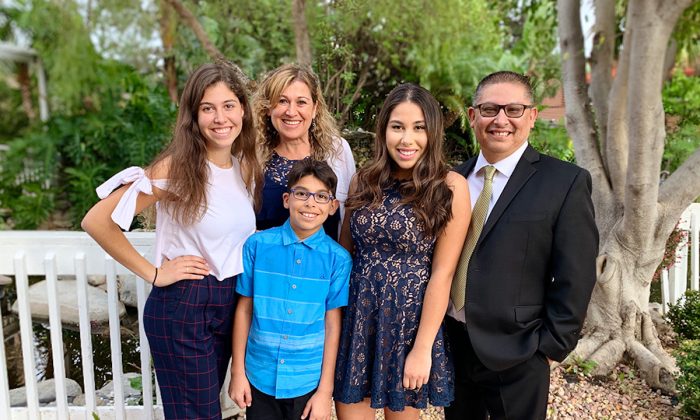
pixel 287 323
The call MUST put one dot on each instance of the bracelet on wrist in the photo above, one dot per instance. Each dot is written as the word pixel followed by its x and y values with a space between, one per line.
pixel 155 277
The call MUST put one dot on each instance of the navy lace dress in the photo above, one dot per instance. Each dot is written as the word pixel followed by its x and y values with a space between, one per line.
pixel 272 212
pixel 390 272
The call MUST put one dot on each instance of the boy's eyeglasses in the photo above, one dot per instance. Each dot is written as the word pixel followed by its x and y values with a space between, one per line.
pixel 320 197
pixel 490 110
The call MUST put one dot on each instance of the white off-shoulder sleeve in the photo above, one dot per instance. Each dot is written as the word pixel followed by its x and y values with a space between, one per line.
pixel 124 213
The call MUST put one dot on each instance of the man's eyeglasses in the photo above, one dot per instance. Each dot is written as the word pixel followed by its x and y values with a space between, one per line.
pixel 320 197
pixel 489 109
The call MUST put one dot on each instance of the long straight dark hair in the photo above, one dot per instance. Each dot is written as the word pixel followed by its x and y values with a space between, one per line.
pixel 426 189
pixel 188 172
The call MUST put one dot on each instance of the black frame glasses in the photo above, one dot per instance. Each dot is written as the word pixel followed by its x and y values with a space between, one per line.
pixel 490 110
pixel 321 197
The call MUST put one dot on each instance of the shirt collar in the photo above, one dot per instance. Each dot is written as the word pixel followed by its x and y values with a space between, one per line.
pixel 290 237
pixel 504 166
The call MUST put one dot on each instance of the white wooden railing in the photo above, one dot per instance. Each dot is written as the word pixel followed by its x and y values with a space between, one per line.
pixel 54 254
pixel 675 281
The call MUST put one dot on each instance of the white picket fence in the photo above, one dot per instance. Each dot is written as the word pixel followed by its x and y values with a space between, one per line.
pixel 54 254
pixel 675 281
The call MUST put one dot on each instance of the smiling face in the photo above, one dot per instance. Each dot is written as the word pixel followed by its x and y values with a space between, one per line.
pixel 219 117
pixel 294 111
pixel 500 136
pixel 307 217
pixel 406 137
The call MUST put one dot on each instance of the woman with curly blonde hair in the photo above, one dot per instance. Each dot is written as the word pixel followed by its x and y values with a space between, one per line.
pixel 294 123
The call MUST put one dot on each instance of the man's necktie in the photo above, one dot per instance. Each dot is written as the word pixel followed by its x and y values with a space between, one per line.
pixel 459 283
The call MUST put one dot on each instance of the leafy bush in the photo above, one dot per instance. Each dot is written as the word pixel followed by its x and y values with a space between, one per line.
pixel 64 160
pixel 688 380
pixel 681 98
pixel 685 316
pixel 552 140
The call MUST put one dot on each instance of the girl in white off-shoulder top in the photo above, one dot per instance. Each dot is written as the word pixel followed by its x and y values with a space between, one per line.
pixel 203 187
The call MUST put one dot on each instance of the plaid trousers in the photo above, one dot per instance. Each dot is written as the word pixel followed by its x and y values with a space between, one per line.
pixel 189 326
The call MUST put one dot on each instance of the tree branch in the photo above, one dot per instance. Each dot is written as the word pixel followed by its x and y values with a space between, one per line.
pixel 616 143
pixel 579 120
pixel 191 21
pixel 683 185
pixel 647 49
pixel 25 88
pixel 601 62
pixel 360 84
pixel 168 29
pixel 301 32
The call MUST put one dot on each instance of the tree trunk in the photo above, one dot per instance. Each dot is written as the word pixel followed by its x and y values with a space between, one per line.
pixel 301 33
pixel 191 21
pixel 168 32
pixel 25 88
pixel 620 140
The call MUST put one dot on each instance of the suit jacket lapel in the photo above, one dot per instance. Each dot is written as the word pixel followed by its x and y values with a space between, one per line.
pixel 523 171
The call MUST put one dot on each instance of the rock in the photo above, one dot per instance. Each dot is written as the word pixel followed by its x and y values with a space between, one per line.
pixel 97 280
pixel 46 390
pixel 67 298
pixel 4 280
pixel 100 400
pixel 132 396
pixel 127 289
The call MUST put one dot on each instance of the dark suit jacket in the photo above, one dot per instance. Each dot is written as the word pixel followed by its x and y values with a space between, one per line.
pixel 532 272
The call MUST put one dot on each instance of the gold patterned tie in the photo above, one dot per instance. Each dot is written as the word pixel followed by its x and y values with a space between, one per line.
pixel 459 283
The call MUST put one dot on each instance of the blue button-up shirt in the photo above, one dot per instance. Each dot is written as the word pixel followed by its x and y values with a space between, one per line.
pixel 293 283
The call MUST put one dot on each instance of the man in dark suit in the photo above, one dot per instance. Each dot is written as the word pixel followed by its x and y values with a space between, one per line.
pixel 522 294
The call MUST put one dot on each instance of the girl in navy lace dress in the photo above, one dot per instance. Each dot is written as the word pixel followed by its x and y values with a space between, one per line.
pixel 407 217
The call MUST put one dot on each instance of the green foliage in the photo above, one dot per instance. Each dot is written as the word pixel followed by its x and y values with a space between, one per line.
pixel 580 366
pixel 687 36
pixel 27 180
pixel 681 98
pixel 688 379
pixel 136 383
pixel 552 140
pixel 530 33
pixel 61 39
pixel 77 152
pixel 364 48
pixel 684 316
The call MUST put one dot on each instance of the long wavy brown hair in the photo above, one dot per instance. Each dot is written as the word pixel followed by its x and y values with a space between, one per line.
pixel 188 172
pixel 426 190
pixel 322 132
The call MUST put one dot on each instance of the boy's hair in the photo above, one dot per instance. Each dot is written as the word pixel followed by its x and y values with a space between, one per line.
pixel 318 169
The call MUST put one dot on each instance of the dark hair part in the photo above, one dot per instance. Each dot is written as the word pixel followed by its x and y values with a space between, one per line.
pixel 504 76
pixel 316 168
pixel 188 172
pixel 426 190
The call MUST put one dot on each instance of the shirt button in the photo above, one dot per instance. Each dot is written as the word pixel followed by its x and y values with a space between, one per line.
pixel 294 286
pixel 298 261
pixel 289 311
pixel 282 361
pixel 285 337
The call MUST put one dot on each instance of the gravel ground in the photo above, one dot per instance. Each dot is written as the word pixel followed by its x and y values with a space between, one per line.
pixel 621 396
